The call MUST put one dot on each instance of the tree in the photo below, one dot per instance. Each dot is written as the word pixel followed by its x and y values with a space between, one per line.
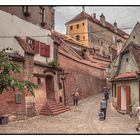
pixel 7 81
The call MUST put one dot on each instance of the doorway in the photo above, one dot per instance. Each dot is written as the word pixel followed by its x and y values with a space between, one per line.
pixel 123 98
pixel 50 87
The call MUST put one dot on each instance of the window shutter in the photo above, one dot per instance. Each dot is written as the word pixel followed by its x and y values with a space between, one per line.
pixel 119 98
pixel 36 46
pixel 127 99
pixel 18 98
pixel 43 50
pixel 47 50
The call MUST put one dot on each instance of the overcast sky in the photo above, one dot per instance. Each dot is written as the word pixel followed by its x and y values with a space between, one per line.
pixel 125 16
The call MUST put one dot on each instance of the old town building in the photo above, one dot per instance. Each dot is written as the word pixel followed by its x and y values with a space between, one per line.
pixel 125 75
pixel 33 49
pixel 106 39
pixel 42 16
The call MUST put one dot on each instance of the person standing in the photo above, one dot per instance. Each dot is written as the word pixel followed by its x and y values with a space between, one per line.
pixel 76 97
pixel 103 105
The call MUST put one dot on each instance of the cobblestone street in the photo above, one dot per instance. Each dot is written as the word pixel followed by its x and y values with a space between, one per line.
pixel 81 119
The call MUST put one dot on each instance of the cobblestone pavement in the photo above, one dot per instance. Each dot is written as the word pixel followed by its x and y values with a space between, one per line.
pixel 80 119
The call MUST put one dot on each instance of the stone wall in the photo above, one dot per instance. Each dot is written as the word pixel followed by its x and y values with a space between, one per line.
pixel 90 80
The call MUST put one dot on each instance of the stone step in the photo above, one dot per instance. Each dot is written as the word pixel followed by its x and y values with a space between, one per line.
pixel 53 108
pixel 53 113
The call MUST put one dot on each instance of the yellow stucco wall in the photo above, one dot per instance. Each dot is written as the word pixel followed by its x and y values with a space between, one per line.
pixel 82 31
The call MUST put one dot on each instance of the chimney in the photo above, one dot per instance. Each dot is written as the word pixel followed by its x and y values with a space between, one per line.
pixel 115 26
pixel 102 19
pixel 94 15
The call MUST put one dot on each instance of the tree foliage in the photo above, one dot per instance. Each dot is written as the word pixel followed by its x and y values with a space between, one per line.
pixel 7 81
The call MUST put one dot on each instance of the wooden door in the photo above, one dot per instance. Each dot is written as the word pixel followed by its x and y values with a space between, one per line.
pixel 127 99
pixel 119 98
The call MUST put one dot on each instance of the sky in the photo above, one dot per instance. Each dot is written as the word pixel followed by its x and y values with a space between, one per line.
pixel 126 17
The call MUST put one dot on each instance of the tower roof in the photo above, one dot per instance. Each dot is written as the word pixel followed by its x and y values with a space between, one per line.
pixel 80 16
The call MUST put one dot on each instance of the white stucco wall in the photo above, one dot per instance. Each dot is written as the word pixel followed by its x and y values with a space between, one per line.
pixel 134 90
pixel 11 25
pixel 129 66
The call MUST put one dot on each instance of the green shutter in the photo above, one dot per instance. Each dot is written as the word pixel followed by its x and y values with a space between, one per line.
pixel 18 98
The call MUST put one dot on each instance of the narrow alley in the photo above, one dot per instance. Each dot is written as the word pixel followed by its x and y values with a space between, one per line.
pixel 80 119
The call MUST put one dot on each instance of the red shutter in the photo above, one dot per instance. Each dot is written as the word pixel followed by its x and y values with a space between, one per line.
pixel 127 99
pixel 43 50
pixel 36 46
pixel 47 50
pixel 119 98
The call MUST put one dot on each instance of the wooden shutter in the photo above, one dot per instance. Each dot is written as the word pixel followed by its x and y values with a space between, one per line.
pixel 36 46
pixel 43 50
pixel 127 99
pixel 119 98
pixel 47 50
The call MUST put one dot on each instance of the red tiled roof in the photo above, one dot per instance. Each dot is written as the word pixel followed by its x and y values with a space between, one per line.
pixel 84 15
pixel 126 75
pixel 111 27
pixel 25 45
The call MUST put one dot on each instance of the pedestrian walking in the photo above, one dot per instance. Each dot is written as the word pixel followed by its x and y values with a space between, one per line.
pixel 103 107
pixel 76 97
pixel 106 93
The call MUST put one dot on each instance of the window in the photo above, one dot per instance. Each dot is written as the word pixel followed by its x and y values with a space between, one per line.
pixel 77 37
pixel 102 43
pixel 30 42
pixel 18 98
pixel 42 16
pixel 25 10
pixel 103 53
pixel 71 27
pixel 38 81
pixel 83 24
pixel 34 44
pixel 134 37
pixel 77 26
pixel 127 60
pixel 83 37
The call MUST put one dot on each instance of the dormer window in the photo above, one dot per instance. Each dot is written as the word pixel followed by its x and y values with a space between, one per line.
pixel 127 60
pixel 77 37
pixel 26 11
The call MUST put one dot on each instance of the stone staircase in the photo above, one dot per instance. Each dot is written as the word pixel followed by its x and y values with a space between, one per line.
pixel 53 108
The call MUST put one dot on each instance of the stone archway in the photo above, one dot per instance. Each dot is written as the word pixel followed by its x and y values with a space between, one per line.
pixel 50 87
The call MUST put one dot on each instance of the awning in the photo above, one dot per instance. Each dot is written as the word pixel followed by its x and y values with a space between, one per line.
pixel 125 76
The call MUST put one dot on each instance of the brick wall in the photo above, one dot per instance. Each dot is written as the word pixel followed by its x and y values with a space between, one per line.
pixel 88 79
pixel 8 103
